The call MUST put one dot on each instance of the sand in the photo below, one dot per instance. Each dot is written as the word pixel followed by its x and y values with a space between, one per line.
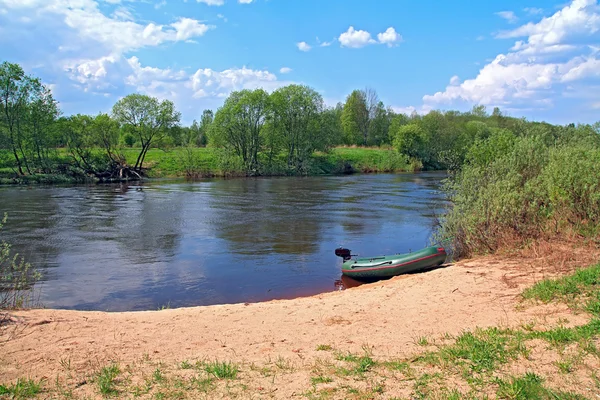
pixel 387 316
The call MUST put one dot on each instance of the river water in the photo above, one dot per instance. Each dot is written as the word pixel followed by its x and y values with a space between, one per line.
pixel 172 244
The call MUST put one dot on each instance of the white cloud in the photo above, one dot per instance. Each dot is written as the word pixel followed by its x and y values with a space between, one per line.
pixel 244 1
pixel 116 34
pixel 187 28
pixel 325 44
pixel 389 37
pixel 533 10
pixel 285 70
pixel 303 46
pixel 355 39
pixel 509 16
pixel 556 50
pixel 212 2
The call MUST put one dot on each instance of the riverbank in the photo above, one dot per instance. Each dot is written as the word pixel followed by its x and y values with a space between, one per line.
pixel 201 162
pixel 411 336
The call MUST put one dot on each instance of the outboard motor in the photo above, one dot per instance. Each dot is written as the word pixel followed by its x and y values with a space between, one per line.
pixel 344 253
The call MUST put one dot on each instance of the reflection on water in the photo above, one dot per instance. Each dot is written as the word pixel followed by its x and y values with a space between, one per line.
pixel 142 246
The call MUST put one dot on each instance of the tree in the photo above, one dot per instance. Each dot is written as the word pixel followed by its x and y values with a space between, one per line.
pixel 27 109
pixel 42 113
pixel 361 109
pixel 105 134
pixel 205 123
pixel 148 119
pixel 296 110
pixel 238 126
pixel 332 131
pixel 410 140
pixel 379 126
pixel 355 118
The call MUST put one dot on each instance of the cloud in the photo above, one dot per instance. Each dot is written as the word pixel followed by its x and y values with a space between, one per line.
pixel 325 44
pixel 389 37
pixel 556 50
pixel 509 16
pixel 116 34
pixel 244 1
pixel 533 10
pixel 212 2
pixel 303 46
pixel 355 39
pixel 285 70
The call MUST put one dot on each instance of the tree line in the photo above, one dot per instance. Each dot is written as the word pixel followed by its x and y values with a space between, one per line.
pixel 256 133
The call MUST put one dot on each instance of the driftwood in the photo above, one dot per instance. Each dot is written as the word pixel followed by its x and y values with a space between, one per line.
pixel 118 172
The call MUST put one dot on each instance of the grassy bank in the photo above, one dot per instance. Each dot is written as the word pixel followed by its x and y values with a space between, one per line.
pixel 536 360
pixel 179 162
pixel 205 162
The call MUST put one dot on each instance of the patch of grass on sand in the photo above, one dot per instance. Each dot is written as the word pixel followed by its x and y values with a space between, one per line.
pixel 584 282
pixel 222 369
pixel 324 347
pixel 480 351
pixel 530 386
pixel 22 389
pixel 106 380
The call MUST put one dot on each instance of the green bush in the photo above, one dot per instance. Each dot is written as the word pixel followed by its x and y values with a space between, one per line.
pixel 17 279
pixel 513 189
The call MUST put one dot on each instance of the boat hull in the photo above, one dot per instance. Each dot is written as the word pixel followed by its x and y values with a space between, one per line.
pixel 388 266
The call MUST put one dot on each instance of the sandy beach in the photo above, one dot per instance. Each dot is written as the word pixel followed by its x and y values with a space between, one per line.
pixel 387 317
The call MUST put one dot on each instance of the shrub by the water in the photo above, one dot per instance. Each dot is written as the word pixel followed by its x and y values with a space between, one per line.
pixel 512 189
pixel 17 279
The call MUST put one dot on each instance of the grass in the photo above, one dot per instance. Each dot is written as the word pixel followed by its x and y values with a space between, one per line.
pixel 222 370
pixel 205 162
pixel 584 282
pixel 22 389
pixel 530 386
pixel 106 380
pixel 479 351
pixel 320 379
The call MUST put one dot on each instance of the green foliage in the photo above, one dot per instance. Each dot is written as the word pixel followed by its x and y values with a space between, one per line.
pixel 515 188
pixel 22 389
pixel 411 140
pixel 296 114
pixel 238 126
pixel 355 118
pixel 17 278
pixel 149 119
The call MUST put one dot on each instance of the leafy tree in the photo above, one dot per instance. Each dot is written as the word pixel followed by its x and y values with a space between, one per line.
pixel 410 140
pixel 239 124
pixel 379 126
pixel 205 123
pixel 295 112
pixel 105 134
pixel 148 119
pixel 355 118
pixel 332 131
pixel 27 110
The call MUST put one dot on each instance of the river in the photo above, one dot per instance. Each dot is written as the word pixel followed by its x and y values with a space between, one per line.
pixel 158 244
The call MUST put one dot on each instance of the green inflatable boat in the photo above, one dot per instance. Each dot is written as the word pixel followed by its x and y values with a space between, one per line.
pixel 373 268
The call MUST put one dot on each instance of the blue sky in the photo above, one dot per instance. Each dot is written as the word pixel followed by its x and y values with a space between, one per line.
pixel 537 59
